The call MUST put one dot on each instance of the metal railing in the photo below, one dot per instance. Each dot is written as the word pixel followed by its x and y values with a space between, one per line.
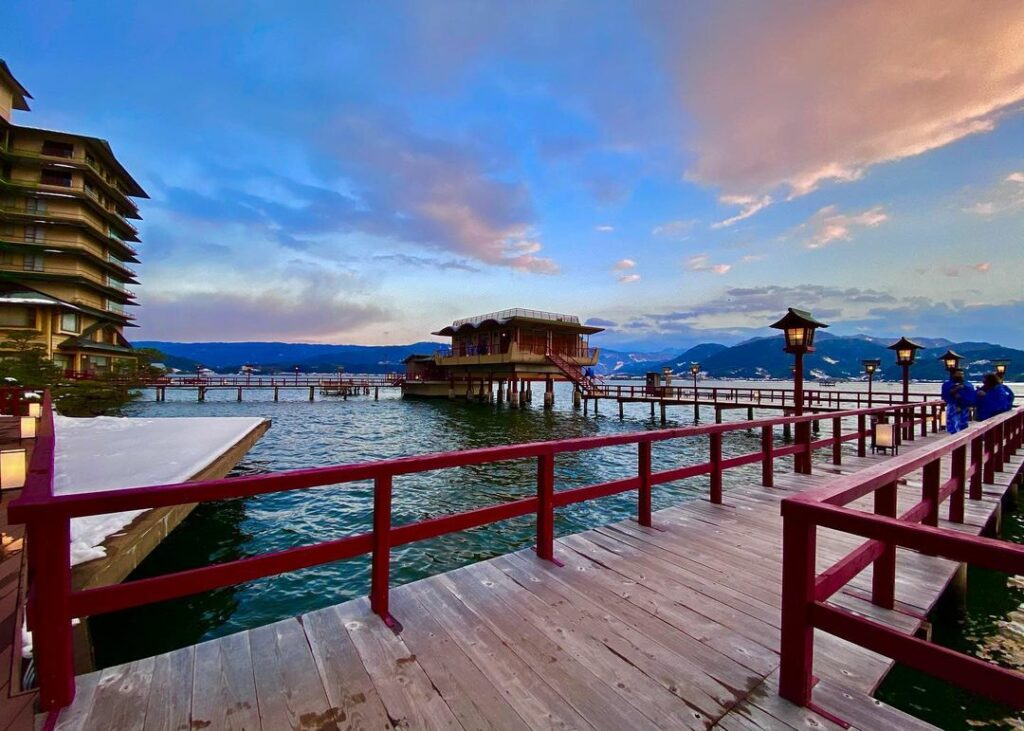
pixel 976 454
pixel 61 217
pixel 82 159
pixel 53 603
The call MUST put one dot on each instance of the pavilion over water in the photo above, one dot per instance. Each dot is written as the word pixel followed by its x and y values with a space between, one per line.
pixel 515 346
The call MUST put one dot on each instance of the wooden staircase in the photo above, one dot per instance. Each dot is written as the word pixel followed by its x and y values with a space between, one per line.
pixel 575 373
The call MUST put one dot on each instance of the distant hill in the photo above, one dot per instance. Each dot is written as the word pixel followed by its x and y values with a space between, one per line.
pixel 840 357
pixel 310 357
pixel 834 357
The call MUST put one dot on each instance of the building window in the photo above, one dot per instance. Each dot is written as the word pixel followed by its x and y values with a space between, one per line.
pixel 6 258
pixel 56 177
pixel 17 317
pixel 58 149
pixel 35 205
pixel 33 263
pixel 35 234
pixel 71 322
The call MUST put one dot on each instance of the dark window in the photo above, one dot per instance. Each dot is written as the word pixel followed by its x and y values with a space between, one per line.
pixel 35 205
pixel 33 263
pixel 56 177
pixel 58 149
pixel 17 317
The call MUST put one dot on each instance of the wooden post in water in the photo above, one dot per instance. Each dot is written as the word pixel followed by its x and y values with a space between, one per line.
pixel 239 394
pixel 277 394
pixel 513 392
pixel 663 411
pixel 577 394
pixel 620 408
pixel 501 391
pixel 376 393
pixel 311 392
pixel 201 393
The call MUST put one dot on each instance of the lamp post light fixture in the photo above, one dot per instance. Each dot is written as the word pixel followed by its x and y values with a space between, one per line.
pixel 28 427
pixel 870 366
pixel 951 360
pixel 906 354
pixel 798 327
pixel 1001 365
pixel 12 469
pixel 695 371
pixel 296 375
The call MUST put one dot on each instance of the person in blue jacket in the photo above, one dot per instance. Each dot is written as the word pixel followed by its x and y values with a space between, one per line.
pixel 993 398
pixel 959 397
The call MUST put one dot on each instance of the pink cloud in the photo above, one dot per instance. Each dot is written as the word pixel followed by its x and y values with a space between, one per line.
pixel 829 225
pixel 749 205
pixel 623 264
pixel 628 278
pixel 702 263
pixel 850 85
pixel 1006 196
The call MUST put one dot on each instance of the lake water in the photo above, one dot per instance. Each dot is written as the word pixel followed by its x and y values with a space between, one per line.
pixel 334 431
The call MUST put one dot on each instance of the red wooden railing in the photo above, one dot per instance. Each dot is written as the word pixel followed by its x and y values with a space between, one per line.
pixel 53 603
pixel 976 454
pixel 829 398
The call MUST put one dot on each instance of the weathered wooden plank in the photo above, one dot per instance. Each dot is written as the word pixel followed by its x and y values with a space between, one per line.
pixel 170 693
pixel 345 680
pixel 403 686
pixel 223 686
pixel 287 682
pixel 73 717
pixel 121 697
pixel 469 693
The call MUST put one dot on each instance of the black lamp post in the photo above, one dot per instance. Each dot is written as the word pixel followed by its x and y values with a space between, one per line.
pixel 906 354
pixel 870 366
pixel 1001 367
pixel 798 327
pixel 695 371
pixel 951 360
pixel 199 371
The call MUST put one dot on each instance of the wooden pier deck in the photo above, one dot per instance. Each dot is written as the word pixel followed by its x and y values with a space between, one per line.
pixel 675 626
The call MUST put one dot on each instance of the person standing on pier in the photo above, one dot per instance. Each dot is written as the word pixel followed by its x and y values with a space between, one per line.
pixel 993 397
pixel 959 397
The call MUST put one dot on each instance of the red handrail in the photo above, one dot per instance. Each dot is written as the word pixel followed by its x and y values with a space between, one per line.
pixel 976 454
pixel 51 620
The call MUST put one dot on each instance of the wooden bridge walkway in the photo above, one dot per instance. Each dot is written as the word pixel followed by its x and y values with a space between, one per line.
pixel 675 626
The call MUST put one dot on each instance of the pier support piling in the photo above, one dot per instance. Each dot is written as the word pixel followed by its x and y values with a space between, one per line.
pixel 549 393
pixel 718 415
pixel 501 392
pixel 652 411
pixel 376 393
pixel 577 395
pixel 513 393
pixel 696 413
pixel 239 396
pixel 750 413
pixel 201 393
pixel 311 393
pixel 620 409
pixel 662 412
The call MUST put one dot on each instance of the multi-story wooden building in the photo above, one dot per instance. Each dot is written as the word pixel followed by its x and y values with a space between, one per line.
pixel 514 347
pixel 65 240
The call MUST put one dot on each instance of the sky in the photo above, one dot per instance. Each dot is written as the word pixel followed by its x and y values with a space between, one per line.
pixel 354 172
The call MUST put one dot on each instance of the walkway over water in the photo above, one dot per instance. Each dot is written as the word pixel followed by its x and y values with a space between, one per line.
pixel 671 626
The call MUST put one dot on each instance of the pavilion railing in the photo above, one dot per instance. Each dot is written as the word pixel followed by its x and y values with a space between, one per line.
pixel 975 455
pixel 53 604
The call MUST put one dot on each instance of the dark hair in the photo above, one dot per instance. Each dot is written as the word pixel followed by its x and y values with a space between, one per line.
pixel 991 380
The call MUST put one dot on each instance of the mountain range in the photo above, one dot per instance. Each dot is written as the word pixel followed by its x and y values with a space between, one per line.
pixel 834 357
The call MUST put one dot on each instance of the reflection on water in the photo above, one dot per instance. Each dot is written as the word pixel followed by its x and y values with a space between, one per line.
pixel 333 431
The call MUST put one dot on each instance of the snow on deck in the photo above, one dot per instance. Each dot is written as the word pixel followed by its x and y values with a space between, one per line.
pixel 106 452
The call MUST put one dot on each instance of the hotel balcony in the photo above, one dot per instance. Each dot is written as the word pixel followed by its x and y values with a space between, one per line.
pixel 56 185
pixel 47 244
pixel 79 159
pixel 91 223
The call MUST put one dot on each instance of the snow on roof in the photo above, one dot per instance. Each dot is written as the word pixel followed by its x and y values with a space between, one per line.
pixel 110 452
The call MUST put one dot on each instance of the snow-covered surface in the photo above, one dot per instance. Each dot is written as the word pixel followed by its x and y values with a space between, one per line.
pixel 830 361
pixel 109 452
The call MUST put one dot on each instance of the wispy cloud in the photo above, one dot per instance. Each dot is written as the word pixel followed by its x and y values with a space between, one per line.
pixel 828 225
pixel 674 229
pixel 1004 197
pixel 604 228
pixel 702 263
pixel 623 264
pixel 628 278
pixel 852 95
pixel 749 205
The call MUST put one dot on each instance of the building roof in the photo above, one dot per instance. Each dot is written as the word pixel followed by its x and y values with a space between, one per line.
pixel 20 92
pixel 519 315
pixel 418 358
pixel 23 296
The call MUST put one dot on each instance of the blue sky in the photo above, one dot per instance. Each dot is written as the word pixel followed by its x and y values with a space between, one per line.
pixel 367 172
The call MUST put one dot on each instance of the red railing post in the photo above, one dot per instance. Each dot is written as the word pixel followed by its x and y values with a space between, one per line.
pixel 837 444
pixel 546 506
pixel 862 436
pixel 644 496
pixel 930 492
pixel 767 456
pixel 883 575
pixel 49 610
pixel 989 458
pixel 924 420
pixel 797 661
pixel 716 467
pixel 999 456
pixel 958 471
pixel 977 460
pixel 380 575
pixel 802 459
